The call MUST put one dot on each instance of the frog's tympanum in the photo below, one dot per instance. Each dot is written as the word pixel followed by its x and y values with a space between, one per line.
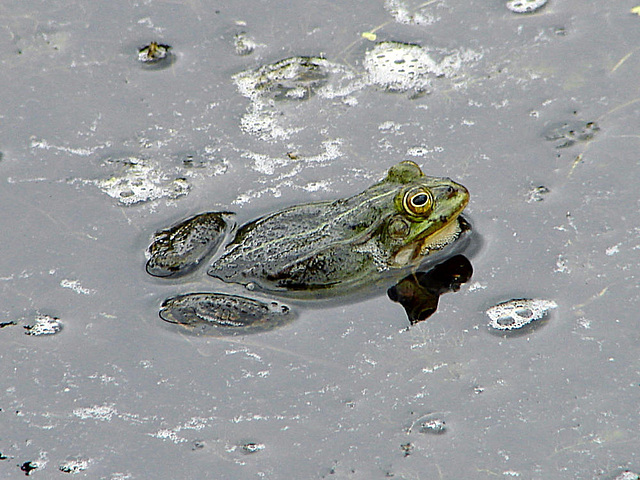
pixel 311 251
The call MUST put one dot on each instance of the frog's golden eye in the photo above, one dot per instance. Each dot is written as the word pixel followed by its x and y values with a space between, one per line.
pixel 417 201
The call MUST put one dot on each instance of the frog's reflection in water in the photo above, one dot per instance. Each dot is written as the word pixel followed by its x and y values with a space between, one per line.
pixel 419 292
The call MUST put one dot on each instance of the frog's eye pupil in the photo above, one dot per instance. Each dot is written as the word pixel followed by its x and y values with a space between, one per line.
pixel 420 200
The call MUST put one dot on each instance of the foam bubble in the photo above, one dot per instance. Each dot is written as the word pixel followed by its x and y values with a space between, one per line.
pixel 525 6
pixel 400 66
pixel 517 313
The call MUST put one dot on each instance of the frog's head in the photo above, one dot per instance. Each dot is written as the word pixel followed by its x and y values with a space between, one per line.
pixel 425 216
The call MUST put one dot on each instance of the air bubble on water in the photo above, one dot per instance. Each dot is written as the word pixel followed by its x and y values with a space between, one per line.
pixel 525 6
pixel 517 313
pixel 252 447
pixel 433 426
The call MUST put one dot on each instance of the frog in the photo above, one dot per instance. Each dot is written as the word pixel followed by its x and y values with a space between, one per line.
pixel 312 251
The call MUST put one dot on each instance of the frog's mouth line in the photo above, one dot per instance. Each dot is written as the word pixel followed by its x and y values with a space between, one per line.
pixel 445 228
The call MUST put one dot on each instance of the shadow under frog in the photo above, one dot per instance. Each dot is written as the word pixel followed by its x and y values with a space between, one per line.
pixel 403 226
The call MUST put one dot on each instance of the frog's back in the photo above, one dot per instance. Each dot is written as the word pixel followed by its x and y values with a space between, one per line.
pixel 303 247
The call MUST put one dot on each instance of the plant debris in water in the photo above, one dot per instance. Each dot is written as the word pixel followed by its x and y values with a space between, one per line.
pixel 517 313
pixel 44 325
pixel 29 467
pixel 154 53
pixel 525 6
pixel 407 448
pixel 537 194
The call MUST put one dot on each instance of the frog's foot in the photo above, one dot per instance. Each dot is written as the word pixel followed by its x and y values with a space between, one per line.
pixel 221 314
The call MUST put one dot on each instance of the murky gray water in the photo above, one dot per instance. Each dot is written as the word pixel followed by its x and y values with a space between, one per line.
pixel 99 151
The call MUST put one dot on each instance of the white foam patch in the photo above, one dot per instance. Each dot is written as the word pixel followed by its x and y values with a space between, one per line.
pixel 293 79
pixel 401 14
pixel 44 325
pixel 402 66
pixel 142 181
pixel 517 313
pixel 103 413
pixel 525 6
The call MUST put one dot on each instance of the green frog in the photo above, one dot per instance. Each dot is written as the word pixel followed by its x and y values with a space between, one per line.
pixel 310 251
